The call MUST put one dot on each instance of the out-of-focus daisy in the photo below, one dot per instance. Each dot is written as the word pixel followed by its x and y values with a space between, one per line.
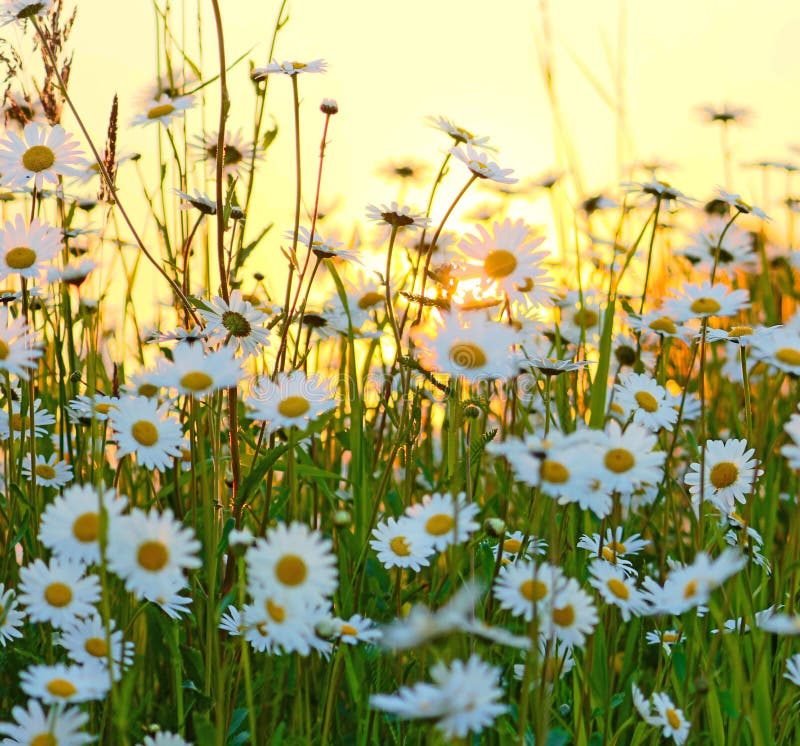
pixel 704 300
pixel 236 323
pixel 459 134
pixel 279 624
pixel 618 589
pixel 793 669
pixel 21 10
pixel 11 617
pixel 17 351
pixel 164 738
pixel 656 190
pixel 514 542
pixel 151 551
pixel 293 400
pixel 57 592
pixel 292 561
pixel 26 249
pixel 70 525
pixel 730 473
pixel 35 726
pixel 596 203
pixel 781 624
pixel 40 155
pixel 357 629
pixel 50 472
pixel 467 345
pixel 19 420
pixel 725 113
pixel 614 546
pixel 444 519
pixel 405 170
pixel 86 643
pixel 401 543
pixel 641 397
pixel 573 614
pixel 780 349
pixel 398 216
pixel 482 166
pixel 194 373
pixel 238 153
pixel 792 451
pixel 83 409
pixel 289 68
pixel 736 201
pixel 323 248
pixel 73 273
pixel 555 662
pixel 581 317
pixel 523 587
pixel 739 334
pixel 163 110
pixel 735 251
pixel 144 429
pixel 60 684
pixel 506 262
pixel 661 324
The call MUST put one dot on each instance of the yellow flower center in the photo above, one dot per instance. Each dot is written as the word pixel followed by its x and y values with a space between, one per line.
pixel 609 555
pixel 45 471
pixel 97 647
pixel 58 595
pixel 4 350
pixel 44 739
pixel 368 300
pixel 20 257
pixel 533 590
pixel 153 556
pixel 38 158
pixel 61 688
pixel 690 589
pixel 17 421
pixel 291 570
pixel 160 111
pixel 664 324
pixel 646 401
pixel 619 460
pixel 723 474
pixel 196 381
pixel 554 472
pixel 294 406
pixel 672 718
pixel 144 432
pixel 670 637
pixel 512 545
pixel 399 546
pixel 103 408
pixel 86 527
pixel 586 318
pixel 277 613
pixel 739 331
pixel 148 390
pixel 439 524
pixel 565 616
pixel 618 588
pixel 346 629
pixel 499 263
pixel 299 65
pixel 788 355
pixel 705 306
pixel 467 355
pixel 616 546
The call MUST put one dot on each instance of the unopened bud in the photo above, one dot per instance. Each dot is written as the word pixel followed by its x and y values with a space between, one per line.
pixel 495 527
pixel 329 106
pixel 342 519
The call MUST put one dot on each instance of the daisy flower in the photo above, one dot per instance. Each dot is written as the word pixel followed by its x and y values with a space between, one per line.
pixel 144 429
pixel 672 721
pixel 581 318
pixel 735 249
pixel 459 134
pixel 357 629
pixel 18 421
pixel 11 618
pixel 618 589
pixel 480 164
pixel 284 625
pixel 17 351
pixel 237 323
pixel 50 472
pixel 26 249
pixel 614 546
pixel 86 643
pixel 656 190
pixel 513 543
pixel 20 10
pixel 627 460
pixel 793 669
pixel 661 324
pixel 524 587
pixel 641 397
pixel 151 551
pixel 555 662
pixel 401 543
pixel 57 592
pixel 323 248
pixel 238 154
pixel 194 373
pixel 35 726
pixel 505 260
pixel 293 400
pixel 232 622
pixel 60 684
pixel 736 201
pixel 780 349
pixel 467 345
pixel 792 451
pixel 704 300
pixel 666 639
pixel 781 624
pixel 83 409
pixel 573 614
pixel 443 519
pixel 422 700
pixel 725 113
pixel 294 562
pixel 289 68
pixel 163 110
pixel 164 738
pixel 40 155
pixel 70 525
pixel 397 216
pixel 730 473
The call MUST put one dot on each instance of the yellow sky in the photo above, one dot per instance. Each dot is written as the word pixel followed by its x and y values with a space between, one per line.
pixel 391 64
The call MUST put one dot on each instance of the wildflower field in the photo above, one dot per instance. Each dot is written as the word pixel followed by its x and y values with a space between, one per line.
pixel 428 479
